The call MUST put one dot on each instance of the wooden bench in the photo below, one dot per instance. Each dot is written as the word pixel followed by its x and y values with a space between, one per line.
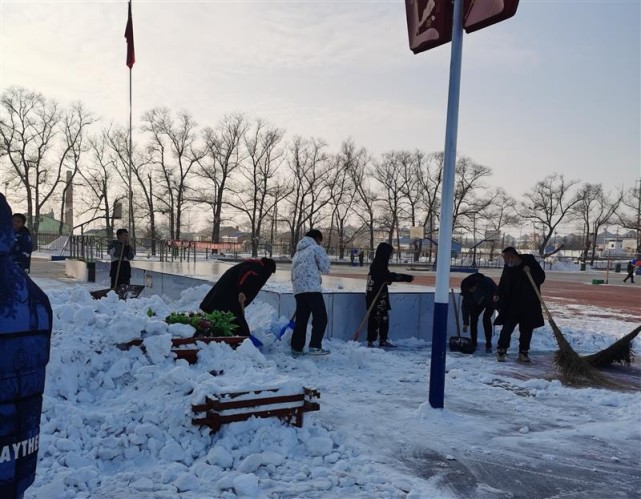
pixel 222 408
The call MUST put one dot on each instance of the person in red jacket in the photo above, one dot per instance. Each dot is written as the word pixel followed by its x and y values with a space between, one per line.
pixel 237 288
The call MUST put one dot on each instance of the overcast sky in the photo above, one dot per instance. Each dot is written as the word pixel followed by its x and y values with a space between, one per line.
pixel 554 89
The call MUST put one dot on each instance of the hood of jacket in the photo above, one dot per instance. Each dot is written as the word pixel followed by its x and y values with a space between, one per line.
pixel 381 257
pixel 305 243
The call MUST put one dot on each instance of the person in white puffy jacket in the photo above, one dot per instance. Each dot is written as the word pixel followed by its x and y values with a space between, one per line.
pixel 310 261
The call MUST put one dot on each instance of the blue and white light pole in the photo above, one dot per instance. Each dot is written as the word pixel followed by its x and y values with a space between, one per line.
pixel 439 329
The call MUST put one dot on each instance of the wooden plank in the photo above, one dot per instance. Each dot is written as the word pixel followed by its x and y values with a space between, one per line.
pixel 219 405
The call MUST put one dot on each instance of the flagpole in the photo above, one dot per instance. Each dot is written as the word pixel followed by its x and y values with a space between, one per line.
pixel 130 190
pixel 131 197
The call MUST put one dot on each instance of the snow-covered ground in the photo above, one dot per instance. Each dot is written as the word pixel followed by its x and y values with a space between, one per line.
pixel 117 423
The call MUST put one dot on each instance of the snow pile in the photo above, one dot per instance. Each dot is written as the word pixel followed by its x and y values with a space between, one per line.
pixel 117 423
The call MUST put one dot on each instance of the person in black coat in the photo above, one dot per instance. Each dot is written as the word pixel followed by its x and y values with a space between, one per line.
pixel 237 288
pixel 477 292
pixel 378 278
pixel 121 254
pixel 630 271
pixel 518 302
pixel 23 246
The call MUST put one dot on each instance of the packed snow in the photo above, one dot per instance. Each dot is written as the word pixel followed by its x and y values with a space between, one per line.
pixel 116 423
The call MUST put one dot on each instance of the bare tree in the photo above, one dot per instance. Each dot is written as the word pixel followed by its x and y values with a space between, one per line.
pixel 74 124
pixel 254 195
pixel 29 127
pixel 500 213
pixel 307 161
pixel 547 204
pixel 414 172
pixel 430 176
pixel 174 149
pixel 361 173
pixel 470 196
pixel 629 212
pixel 388 173
pixel 222 157
pixel 99 179
pixel 342 191
pixel 144 171
pixel 595 208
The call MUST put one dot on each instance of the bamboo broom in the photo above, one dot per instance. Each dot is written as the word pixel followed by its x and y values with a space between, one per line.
pixel 620 352
pixel 573 368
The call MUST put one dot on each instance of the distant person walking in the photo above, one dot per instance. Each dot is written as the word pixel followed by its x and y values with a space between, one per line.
pixel 121 254
pixel 361 258
pixel 477 291
pixel 630 269
pixel 23 246
pixel 237 288
pixel 378 279
pixel 518 303
pixel 309 262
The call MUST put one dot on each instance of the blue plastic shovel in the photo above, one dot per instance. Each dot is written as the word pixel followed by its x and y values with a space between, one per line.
pixel 257 343
pixel 290 324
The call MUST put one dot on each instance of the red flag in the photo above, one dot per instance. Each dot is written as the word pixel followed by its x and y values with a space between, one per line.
pixel 129 35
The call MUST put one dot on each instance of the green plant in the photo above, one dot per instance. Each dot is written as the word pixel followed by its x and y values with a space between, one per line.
pixel 150 312
pixel 215 323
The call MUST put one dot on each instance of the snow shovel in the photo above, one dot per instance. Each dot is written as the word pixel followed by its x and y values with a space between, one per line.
pixel 291 324
pixel 255 341
pixel 459 343
pixel 369 311
pixel 123 291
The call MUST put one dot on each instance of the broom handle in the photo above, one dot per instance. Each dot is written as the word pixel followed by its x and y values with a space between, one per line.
pixel 369 311
pixel 455 309
pixel 538 294
pixel 555 329
pixel 122 252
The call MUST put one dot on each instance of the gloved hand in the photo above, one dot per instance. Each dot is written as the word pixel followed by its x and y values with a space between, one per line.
pixel 407 278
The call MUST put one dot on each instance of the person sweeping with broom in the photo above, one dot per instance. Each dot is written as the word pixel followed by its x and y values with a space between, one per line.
pixel 121 254
pixel 518 302
pixel 377 295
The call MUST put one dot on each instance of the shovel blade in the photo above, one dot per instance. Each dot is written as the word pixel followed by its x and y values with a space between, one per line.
pixel 124 291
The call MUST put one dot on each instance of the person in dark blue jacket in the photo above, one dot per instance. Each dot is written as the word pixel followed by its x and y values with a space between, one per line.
pixel 21 251
pixel 25 332
pixel 477 292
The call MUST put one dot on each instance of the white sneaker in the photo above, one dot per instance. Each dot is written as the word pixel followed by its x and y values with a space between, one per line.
pixel 318 351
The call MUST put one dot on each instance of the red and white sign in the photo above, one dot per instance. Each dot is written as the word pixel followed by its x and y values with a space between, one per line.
pixel 429 22
pixel 479 14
